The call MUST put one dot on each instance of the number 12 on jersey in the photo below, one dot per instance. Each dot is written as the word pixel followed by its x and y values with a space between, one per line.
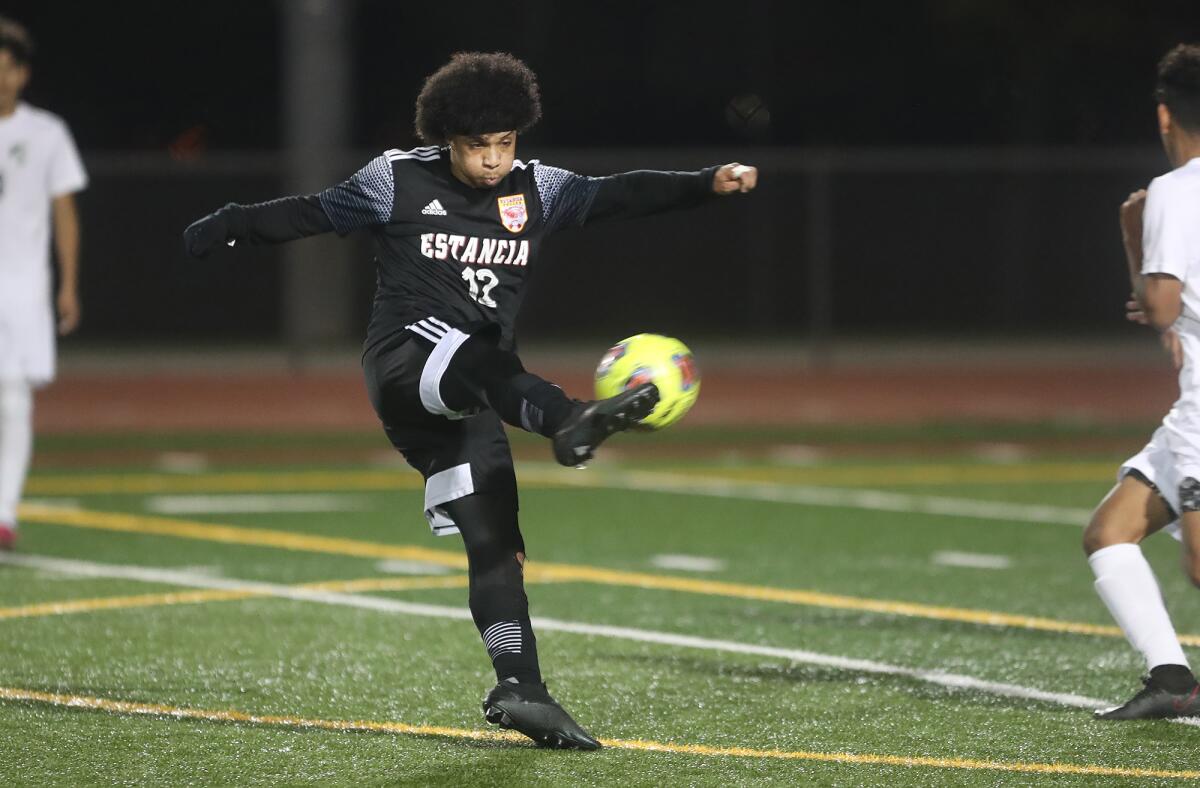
pixel 481 283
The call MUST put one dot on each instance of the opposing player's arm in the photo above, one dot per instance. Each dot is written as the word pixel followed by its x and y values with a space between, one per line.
pixel 1161 299
pixel 571 200
pixel 66 244
pixel 1159 237
pixel 363 200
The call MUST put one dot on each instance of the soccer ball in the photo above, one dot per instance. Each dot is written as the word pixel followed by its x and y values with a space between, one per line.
pixel 652 358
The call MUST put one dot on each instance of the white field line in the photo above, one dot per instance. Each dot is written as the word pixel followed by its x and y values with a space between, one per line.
pixel 386 605
pixel 874 500
pixel 971 560
pixel 253 504
pixel 396 566
pixel 689 563
pixel 54 503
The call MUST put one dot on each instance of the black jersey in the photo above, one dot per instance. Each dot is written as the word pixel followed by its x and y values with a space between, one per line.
pixel 444 250
pixel 450 255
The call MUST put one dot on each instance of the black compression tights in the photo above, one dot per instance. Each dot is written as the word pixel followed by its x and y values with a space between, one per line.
pixel 481 372
pixel 488 522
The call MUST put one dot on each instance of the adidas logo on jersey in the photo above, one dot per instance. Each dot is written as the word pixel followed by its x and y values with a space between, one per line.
pixel 434 209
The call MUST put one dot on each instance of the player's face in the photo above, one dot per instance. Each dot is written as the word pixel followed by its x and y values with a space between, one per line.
pixel 482 160
pixel 13 76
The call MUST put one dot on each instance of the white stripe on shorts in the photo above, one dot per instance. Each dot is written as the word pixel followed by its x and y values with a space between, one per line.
pixel 435 367
pixel 430 327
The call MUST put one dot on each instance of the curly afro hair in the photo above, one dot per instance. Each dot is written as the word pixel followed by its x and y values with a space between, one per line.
pixel 477 93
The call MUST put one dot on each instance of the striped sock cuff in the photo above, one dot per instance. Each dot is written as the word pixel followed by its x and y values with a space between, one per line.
pixel 503 637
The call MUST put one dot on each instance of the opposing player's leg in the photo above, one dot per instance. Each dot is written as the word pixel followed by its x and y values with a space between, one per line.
pixel 475 369
pixel 1133 510
pixel 16 445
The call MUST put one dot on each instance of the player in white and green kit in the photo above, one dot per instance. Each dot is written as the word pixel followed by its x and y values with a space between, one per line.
pixel 39 173
pixel 1159 488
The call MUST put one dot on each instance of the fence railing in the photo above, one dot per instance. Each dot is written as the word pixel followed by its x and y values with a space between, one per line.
pixel 836 241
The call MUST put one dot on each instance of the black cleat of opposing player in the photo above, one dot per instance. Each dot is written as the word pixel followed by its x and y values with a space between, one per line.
pixel 576 441
pixel 1155 702
pixel 529 709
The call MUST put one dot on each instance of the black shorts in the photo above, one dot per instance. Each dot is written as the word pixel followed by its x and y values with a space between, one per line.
pixel 457 452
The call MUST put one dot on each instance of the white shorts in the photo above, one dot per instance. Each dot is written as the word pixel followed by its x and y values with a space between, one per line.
pixel 27 340
pixel 1160 467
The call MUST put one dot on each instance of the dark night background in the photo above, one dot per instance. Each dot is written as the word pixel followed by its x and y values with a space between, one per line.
pixel 999 138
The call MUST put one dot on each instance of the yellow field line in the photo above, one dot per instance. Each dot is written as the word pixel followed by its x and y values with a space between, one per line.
pixel 149 483
pixel 230 534
pixel 387 584
pixel 232 716
pixel 122 602
pixel 222 595
pixel 553 572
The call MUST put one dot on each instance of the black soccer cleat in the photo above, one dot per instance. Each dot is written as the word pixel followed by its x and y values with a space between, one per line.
pixel 529 709
pixel 591 423
pixel 1155 702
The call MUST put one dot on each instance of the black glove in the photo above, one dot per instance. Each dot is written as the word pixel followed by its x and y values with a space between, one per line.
pixel 204 235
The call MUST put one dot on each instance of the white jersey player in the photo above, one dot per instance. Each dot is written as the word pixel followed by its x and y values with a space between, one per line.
pixel 1159 488
pixel 40 170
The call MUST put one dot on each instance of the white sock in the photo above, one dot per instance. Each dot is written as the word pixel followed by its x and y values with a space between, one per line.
pixel 16 444
pixel 1126 583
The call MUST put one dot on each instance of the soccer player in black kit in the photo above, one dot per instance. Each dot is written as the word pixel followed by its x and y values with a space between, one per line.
pixel 458 227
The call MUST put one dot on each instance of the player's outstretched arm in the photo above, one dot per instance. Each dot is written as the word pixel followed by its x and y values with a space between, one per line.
pixel 277 221
pixel 574 200
pixel 363 200
pixel 647 192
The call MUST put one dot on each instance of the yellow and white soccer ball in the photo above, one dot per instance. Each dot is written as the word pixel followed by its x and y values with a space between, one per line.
pixel 652 358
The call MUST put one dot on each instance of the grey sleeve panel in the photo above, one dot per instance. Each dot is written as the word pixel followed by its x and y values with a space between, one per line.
pixel 365 199
pixel 566 197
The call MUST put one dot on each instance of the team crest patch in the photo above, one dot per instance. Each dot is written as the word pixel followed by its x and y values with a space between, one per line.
pixel 512 212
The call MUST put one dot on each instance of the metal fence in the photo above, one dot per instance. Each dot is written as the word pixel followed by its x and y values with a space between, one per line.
pixel 835 242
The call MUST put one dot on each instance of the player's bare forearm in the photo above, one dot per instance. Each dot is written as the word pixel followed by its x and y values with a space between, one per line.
pixel 66 244
pixel 1133 260
pixel 1130 216
pixel 1161 298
